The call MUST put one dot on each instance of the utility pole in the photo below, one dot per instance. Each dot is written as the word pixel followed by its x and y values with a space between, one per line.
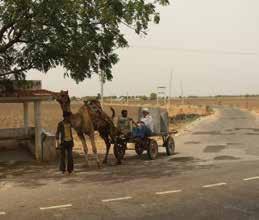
pixel 161 92
pixel 101 75
pixel 182 92
pixel 170 91
pixel 157 96
pixel 102 86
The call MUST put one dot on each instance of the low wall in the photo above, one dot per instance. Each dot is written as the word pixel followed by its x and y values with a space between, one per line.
pixel 48 146
pixel 13 138
pixel 18 133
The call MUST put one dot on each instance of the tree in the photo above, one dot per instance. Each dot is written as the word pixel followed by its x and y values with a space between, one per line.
pixel 153 96
pixel 80 35
pixel 143 97
pixel 73 98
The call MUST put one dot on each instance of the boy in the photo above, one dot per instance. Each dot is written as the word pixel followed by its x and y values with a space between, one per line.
pixel 65 142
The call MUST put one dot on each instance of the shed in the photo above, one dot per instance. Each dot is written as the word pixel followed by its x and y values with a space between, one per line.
pixel 33 134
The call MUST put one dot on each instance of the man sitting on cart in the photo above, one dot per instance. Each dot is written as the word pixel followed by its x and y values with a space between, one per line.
pixel 124 123
pixel 145 126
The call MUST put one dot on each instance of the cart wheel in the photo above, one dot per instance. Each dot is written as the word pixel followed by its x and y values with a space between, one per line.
pixel 119 151
pixel 152 149
pixel 170 145
pixel 139 149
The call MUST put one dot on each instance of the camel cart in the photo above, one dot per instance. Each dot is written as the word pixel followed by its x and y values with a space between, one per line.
pixel 149 144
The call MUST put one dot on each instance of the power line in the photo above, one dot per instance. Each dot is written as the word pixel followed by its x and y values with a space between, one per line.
pixel 201 51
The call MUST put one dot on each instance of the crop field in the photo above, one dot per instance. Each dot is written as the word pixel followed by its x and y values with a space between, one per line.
pixel 251 102
pixel 11 115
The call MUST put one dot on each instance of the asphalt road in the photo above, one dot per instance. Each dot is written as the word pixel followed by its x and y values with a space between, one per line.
pixel 213 175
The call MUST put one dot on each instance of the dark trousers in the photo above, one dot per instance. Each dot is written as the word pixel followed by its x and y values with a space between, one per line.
pixel 141 132
pixel 66 150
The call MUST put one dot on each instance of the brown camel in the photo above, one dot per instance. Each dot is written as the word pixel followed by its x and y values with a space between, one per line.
pixel 103 124
pixel 100 120
pixel 81 122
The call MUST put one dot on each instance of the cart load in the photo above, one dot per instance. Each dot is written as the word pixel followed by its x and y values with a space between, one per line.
pixel 148 144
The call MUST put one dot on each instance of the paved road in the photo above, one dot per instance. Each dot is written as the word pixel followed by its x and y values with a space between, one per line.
pixel 214 175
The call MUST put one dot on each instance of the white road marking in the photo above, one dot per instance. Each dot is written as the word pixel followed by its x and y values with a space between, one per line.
pixel 214 185
pixel 117 199
pixel 2 213
pixel 168 192
pixel 56 207
pixel 251 178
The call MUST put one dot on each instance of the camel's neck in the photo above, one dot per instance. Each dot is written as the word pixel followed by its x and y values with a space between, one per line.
pixel 65 107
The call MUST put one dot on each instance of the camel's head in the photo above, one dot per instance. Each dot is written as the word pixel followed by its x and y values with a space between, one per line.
pixel 93 102
pixel 63 99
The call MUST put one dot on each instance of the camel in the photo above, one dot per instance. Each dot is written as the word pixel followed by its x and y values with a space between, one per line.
pixel 103 124
pixel 100 121
pixel 81 122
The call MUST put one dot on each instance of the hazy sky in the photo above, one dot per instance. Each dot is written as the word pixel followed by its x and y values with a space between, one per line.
pixel 212 46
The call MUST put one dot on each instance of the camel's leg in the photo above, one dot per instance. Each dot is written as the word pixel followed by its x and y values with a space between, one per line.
pixel 94 149
pixel 82 138
pixel 108 146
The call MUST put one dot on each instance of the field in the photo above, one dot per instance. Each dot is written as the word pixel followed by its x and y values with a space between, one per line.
pixel 11 115
pixel 251 103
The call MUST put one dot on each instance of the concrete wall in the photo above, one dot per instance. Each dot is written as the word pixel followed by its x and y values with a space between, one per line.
pixel 14 84
pixel 13 138
pixel 18 133
pixel 48 146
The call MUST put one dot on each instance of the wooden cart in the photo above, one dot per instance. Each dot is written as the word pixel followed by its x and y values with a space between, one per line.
pixel 149 144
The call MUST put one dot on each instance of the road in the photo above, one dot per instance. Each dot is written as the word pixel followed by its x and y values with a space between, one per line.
pixel 213 175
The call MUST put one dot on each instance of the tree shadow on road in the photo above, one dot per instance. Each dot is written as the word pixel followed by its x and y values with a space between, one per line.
pixel 36 174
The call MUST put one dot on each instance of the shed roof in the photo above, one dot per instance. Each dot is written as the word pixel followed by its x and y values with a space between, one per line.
pixel 19 96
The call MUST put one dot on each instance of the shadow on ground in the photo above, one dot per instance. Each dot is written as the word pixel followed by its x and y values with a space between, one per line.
pixel 35 174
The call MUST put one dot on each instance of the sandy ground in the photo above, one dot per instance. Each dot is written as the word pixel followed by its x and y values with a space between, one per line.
pixel 212 175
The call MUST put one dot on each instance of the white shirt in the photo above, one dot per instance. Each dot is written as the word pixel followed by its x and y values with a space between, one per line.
pixel 148 121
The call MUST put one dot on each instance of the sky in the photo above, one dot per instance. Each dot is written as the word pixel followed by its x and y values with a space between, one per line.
pixel 211 46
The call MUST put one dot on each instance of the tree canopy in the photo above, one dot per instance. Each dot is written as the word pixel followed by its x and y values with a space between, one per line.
pixel 153 96
pixel 80 35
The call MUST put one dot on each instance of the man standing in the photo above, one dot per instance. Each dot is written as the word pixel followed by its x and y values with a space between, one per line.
pixel 65 142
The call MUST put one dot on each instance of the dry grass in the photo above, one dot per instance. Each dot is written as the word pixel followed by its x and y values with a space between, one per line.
pixel 249 103
pixel 188 109
pixel 242 102
pixel 11 115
